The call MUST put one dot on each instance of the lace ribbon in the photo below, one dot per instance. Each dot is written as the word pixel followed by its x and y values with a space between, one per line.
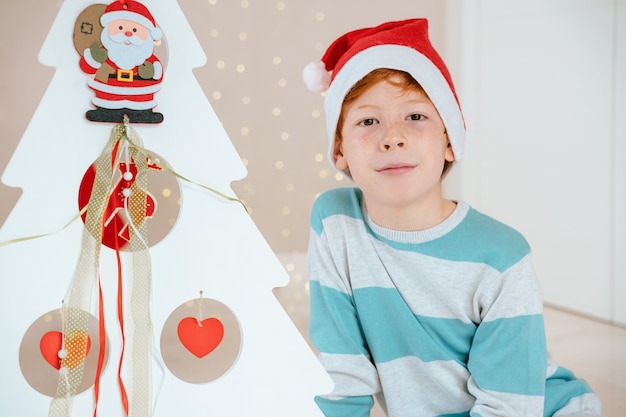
pixel 76 320
pixel 74 349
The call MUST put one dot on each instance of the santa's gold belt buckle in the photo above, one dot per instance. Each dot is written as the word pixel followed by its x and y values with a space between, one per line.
pixel 125 75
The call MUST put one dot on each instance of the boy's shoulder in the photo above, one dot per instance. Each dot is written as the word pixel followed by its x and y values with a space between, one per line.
pixel 487 228
pixel 336 202
pixel 483 238
pixel 339 201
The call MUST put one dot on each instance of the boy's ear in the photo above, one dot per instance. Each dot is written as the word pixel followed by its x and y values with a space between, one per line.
pixel 449 155
pixel 340 161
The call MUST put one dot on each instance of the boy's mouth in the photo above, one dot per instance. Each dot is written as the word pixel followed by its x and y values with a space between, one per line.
pixel 396 169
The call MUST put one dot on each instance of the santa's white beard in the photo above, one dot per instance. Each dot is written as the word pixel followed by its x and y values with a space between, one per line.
pixel 127 56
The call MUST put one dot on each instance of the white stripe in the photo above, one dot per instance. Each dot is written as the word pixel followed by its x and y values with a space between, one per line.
pixel 506 404
pixel 353 375
pixel 415 388
pixel 121 104
pixel 463 288
pixel 588 402
pixel 111 89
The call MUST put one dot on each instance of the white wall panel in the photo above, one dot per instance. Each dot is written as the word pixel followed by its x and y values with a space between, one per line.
pixel 619 293
pixel 538 92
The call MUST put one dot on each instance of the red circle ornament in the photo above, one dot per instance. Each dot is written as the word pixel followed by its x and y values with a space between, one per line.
pixel 162 203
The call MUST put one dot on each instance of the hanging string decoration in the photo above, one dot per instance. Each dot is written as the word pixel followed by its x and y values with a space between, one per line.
pixel 201 340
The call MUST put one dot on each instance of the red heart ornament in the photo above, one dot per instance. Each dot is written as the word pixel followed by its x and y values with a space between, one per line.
pixel 200 338
pixel 52 342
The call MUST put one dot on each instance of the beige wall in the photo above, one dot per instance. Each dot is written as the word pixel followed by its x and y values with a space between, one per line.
pixel 255 53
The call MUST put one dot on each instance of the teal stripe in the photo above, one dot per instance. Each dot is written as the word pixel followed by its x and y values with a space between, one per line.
pixel 463 414
pixel 386 316
pixel 351 406
pixel 509 355
pixel 334 327
pixel 561 387
pixel 478 239
pixel 339 201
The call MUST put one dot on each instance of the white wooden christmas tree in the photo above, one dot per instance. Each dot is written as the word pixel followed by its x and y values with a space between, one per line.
pixel 211 264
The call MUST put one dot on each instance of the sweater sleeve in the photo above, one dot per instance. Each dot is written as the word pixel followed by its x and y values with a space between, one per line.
pixel 336 332
pixel 508 357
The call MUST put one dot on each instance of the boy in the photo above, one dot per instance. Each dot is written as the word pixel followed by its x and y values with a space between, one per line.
pixel 423 302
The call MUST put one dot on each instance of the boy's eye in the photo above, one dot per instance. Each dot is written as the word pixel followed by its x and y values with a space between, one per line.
pixel 367 122
pixel 417 116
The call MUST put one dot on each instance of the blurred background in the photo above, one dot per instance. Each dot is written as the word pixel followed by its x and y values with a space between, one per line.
pixel 543 89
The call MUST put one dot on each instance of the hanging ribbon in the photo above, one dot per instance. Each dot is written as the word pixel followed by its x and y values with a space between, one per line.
pixel 154 161
pixel 74 348
pixel 141 402
pixel 76 319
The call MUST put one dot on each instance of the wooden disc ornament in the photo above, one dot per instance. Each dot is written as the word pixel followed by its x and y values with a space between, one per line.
pixel 201 340
pixel 162 203
pixel 41 349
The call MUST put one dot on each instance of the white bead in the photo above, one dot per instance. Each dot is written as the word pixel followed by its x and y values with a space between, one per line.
pixel 62 353
pixel 128 175
pixel 126 192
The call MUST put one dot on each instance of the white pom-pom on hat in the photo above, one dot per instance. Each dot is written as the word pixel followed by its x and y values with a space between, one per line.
pixel 315 77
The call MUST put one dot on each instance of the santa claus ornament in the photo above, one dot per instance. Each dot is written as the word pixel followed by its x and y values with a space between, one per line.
pixel 117 43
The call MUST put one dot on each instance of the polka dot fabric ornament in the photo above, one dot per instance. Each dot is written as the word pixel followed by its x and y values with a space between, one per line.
pixel 401 45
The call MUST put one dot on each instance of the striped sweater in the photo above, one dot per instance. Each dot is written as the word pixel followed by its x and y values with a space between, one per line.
pixel 442 322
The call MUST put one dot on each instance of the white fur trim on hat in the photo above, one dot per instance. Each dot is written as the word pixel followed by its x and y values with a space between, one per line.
pixel 107 18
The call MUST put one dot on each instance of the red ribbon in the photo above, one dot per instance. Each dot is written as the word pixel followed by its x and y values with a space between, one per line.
pixel 101 353
pixel 120 318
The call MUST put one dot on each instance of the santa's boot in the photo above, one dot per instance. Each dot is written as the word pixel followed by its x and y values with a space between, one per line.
pixel 100 114
pixel 144 116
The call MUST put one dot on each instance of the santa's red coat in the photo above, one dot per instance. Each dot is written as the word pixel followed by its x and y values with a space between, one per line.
pixel 124 88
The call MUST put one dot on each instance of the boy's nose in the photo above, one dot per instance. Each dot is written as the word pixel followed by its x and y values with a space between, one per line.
pixel 394 138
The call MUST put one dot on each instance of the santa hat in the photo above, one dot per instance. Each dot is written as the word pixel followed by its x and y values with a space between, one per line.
pixel 401 45
pixel 133 11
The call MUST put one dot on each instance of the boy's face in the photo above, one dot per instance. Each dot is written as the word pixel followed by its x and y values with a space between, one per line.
pixel 394 144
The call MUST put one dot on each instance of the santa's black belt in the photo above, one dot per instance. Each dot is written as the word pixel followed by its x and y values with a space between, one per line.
pixel 126 76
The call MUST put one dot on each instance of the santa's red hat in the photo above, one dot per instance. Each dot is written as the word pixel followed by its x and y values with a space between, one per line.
pixel 133 11
pixel 401 45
